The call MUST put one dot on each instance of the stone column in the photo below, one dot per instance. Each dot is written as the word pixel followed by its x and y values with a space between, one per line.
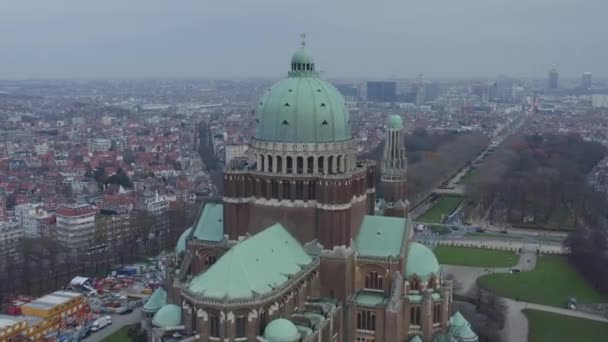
pixel 305 164
pixel 275 165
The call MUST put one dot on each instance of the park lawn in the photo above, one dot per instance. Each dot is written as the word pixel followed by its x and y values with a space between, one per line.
pixel 466 179
pixel 552 282
pixel 552 327
pixel 476 257
pixel 121 335
pixel 444 206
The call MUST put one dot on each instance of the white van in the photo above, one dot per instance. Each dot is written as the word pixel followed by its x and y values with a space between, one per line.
pixel 101 323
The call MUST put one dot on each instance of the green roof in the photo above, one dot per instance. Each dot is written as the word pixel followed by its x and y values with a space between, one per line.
pixel 157 300
pixel 420 262
pixel 210 225
pixel 416 339
pixel 461 328
pixel 181 242
pixel 281 330
pixel 395 122
pixel 436 296
pixel 256 265
pixel 302 109
pixel 414 298
pixel 169 315
pixel 381 236
pixel 369 298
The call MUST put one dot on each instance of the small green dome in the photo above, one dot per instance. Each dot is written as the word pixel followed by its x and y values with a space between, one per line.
pixel 416 339
pixel 395 122
pixel 181 242
pixel 281 330
pixel 302 108
pixel 302 56
pixel 461 328
pixel 157 300
pixel 420 262
pixel 169 315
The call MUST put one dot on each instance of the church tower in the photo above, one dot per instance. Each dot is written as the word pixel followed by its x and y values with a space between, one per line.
pixel 394 169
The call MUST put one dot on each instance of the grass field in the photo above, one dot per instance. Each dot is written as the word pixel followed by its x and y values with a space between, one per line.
pixel 551 327
pixel 466 179
pixel 477 257
pixel 552 282
pixel 120 335
pixel 444 206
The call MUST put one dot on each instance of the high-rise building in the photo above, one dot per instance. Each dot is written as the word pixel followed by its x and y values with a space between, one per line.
pixel 553 81
pixel 586 80
pixel 11 236
pixel 394 170
pixel 381 91
pixel 76 226
pixel 33 219
pixel 293 251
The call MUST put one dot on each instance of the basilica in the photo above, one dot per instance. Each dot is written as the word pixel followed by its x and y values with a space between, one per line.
pixel 299 248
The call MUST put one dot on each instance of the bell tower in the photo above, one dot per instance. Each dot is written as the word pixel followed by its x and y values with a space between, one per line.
pixel 394 169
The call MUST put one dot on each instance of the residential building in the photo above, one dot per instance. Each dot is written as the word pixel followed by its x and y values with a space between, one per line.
pixel 11 236
pixel 33 219
pixel 76 226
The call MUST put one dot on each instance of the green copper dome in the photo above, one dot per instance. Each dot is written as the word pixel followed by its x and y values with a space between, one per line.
pixel 420 262
pixel 302 108
pixel 169 315
pixel 281 330
pixel 157 300
pixel 395 122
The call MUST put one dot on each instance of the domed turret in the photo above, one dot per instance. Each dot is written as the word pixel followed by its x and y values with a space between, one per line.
pixel 281 330
pixel 302 108
pixel 421 262
pixel 395 122
pixel 169 315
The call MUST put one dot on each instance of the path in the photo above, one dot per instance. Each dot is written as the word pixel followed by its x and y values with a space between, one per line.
pixel 516 323
pixel 118 321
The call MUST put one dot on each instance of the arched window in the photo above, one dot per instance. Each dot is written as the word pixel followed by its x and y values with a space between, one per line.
pixel 262 163
pixel 320 164
pixel 289 164
pixel 210 260
pixel 373 281
pixel 279 164
pixel 415 315
pixel 340 164
pixel 330 164
pixel 415 285
pixel 300 166
pixel 269 163
pixel 366 320
pixel 309 164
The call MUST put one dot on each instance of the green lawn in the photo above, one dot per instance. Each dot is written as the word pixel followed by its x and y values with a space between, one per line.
pixel 552 282
pixel 551 327
pixel 466 179
pixel 477 257
pixel 444 206
pixel 120 335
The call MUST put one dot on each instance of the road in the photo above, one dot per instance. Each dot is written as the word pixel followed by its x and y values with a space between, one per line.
pixel 118 321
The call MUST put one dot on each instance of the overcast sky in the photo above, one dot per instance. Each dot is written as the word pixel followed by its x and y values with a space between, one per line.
pixel 255 38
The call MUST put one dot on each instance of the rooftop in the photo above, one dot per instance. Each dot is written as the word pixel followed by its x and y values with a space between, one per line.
pixel 255 266
pixel 369 298
pixel 381 236
pixel 210 225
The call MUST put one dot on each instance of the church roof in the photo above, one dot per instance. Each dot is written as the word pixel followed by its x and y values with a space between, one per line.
pixel 381 236
pixel 157 300
pixel 302 108
pixel 210 225
pixel 256 265
pixel 281 330
pixel 169 315
pixel 421 261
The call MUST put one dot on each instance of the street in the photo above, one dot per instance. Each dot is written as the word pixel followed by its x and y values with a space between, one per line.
pixel 118 321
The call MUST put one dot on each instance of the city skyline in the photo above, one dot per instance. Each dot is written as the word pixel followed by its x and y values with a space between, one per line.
pixel 154 39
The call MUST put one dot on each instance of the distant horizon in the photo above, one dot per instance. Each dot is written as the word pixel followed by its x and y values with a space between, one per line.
pixel 71 39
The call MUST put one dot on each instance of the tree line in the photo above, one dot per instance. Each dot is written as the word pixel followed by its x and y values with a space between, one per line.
pixel 533 181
